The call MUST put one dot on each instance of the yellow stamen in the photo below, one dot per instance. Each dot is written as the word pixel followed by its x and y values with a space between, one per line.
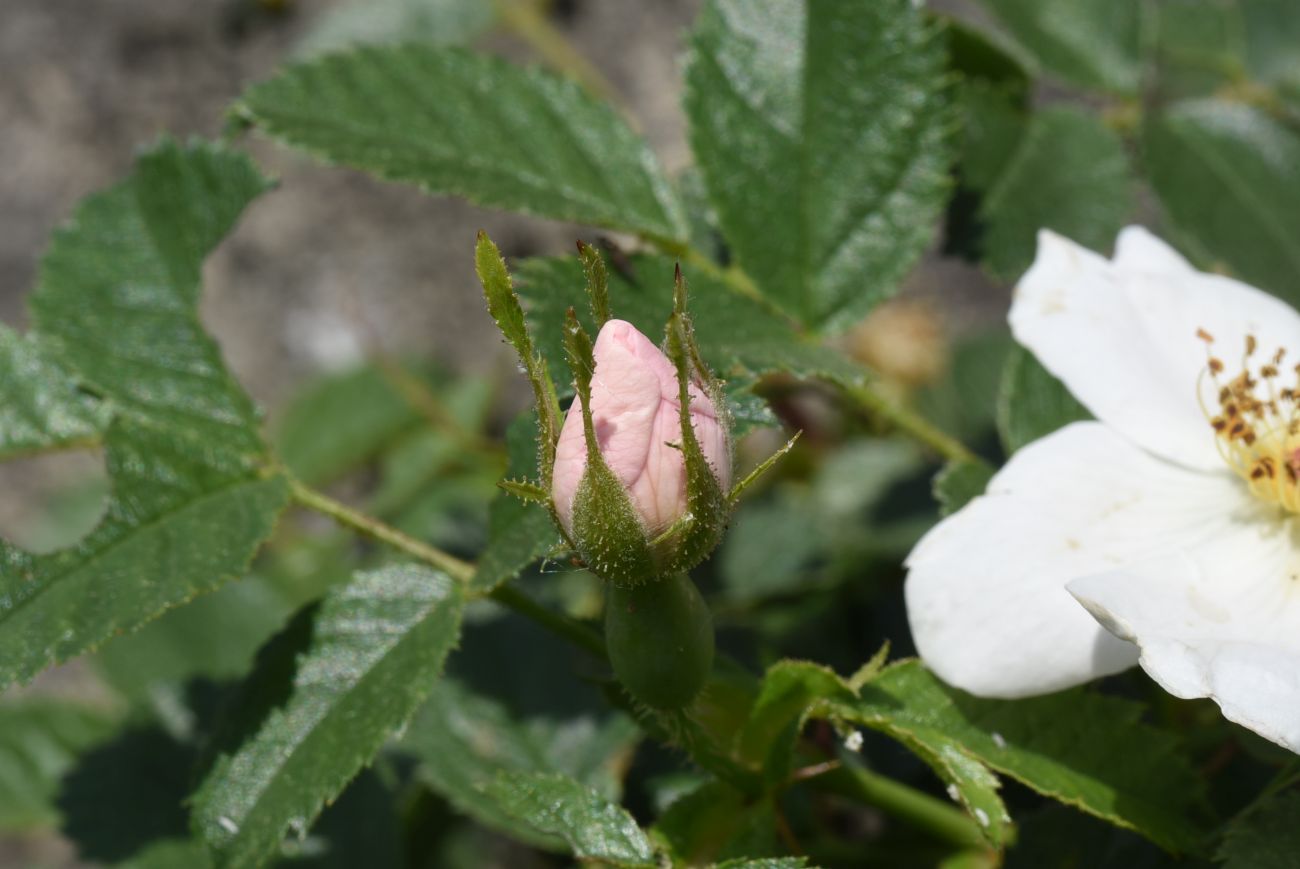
pixel 1257 432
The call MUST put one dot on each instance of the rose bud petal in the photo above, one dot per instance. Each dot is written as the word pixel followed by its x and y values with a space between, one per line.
pixel 636 414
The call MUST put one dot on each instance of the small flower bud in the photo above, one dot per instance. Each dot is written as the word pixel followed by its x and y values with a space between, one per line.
pixel 636 412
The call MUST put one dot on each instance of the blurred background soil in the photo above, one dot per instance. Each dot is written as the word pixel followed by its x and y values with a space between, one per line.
pixel 333 264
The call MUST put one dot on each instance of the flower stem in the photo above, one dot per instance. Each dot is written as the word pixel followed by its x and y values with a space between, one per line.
pixel 580 634
pixel 459 570
pixel 570 629
pixel 905 803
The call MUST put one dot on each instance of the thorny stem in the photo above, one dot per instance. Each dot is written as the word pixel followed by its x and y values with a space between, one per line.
pixel 860 785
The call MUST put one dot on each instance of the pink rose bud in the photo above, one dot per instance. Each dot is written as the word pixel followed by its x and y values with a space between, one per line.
pixel 636 414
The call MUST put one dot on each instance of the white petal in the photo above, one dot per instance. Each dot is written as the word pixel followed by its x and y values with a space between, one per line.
pixel 1137 249
pixel 985 590
pixel 1123 336
pixel 1220 620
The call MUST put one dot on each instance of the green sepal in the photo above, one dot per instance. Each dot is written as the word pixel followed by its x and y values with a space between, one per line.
pixel 593 266
pixel 707 507
pixel 739 489
pixel 526 491
pixel 503 306
pixel 607 532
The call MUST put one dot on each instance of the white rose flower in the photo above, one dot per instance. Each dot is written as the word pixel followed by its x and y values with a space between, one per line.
pixel 1165 533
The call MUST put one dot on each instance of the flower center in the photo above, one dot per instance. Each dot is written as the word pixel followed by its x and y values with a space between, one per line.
pixel 1256 423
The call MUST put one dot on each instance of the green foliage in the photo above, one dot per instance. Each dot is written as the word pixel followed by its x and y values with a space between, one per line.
pixel 39 741
pixel 1272 45
pixel 519 533
pixel 462 740
pixel 960 482
pixel 1080 748
pixel 1265 836
pixel 469 125
pixel 40 407
pixel 1032 403
pixel 117 309
pixel 717 822
pixel 126 793
pixel 1089 43
pixel 117 301
pixel 1228 177
pixel 962 402
pixel 739 337
pixel 214 637
pixel 376 646
pixel 1070 174
pixel 790 692
pixel 593 827
pixel 823 134
pixel 821 131
pixel 339 420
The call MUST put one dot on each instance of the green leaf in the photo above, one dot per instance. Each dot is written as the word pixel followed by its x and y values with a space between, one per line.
pixel 1228 177
pixel 822 134
pixel 985 57
pixel 40 740
pixel 519 533
pixel 451 121
pixel 1199 46
pixel 1273 44
pixel 117 307
pixel 214 636
pixel 766 863
pixel 769 549
pixel 462 740
pixel 795 691
pixel 593 827
pixel 40 407
pixel 791 692
pixel 739 338
pixel 117 301
pixel 1081 748
pixel 993 126
pixel 437 22
pixel 1265 836
pixel 177 526
pixel 376 646
pixel 1070 174
pixel 1088 43
pixel 1031 402
pixel 715 821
